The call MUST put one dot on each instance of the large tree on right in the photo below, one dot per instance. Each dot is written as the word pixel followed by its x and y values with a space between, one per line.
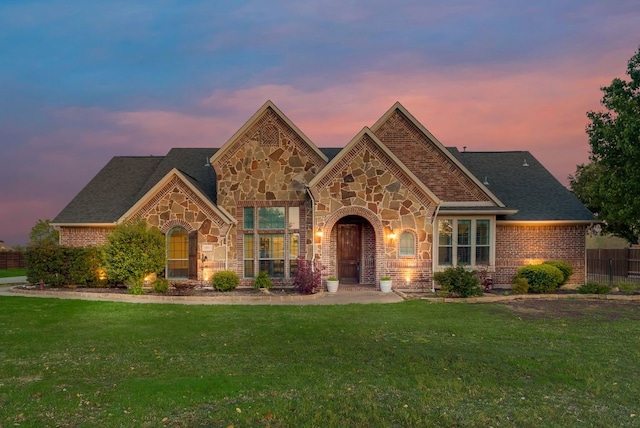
pixel 610 184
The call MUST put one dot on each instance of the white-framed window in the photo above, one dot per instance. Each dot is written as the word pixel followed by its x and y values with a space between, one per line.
pixel 271 240
pixel 465 242
pixel 407 244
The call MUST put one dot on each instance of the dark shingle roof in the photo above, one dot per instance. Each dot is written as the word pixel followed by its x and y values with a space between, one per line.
pixel 125 179
pixel 330 152
pixel 532 190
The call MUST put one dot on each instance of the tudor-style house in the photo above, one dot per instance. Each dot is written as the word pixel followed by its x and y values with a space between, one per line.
pixel 393 202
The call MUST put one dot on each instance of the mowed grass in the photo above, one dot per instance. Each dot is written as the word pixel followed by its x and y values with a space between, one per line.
pixel 82 363
pixel 8 273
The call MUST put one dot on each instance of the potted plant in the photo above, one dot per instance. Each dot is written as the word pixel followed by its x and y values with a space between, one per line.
pixel 332 284
pixel 385 284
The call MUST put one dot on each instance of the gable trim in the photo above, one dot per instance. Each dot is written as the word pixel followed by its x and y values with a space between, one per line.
pixel 407 178
pixel 140 204
pixel 219 155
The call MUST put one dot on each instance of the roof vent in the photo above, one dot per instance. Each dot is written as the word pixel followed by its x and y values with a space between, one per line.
pixel 485 182
pixel 207 162
pixel 524 163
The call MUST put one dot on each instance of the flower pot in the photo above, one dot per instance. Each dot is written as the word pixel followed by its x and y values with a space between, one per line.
pixel 332 286
pixel 385 285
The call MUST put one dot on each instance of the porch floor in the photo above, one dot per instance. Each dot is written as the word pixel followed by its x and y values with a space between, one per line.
pixel 358 287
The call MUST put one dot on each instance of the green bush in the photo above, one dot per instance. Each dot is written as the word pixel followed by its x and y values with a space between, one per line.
pixel 161 285
pixel 135 287
pixel 520 285
pixel 56 265
pixel 262 281
pixel 627 288
pixel 225 280
pixel 458 281
pixel 564 267
pixel 134 251
pixel 543 278
pixel 594 288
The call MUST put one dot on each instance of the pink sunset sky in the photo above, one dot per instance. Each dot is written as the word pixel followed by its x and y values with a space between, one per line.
pixel 81 83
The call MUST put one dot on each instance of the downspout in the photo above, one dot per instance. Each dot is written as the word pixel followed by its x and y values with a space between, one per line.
pixel 313 227
pixel 226 250
pixel 433 259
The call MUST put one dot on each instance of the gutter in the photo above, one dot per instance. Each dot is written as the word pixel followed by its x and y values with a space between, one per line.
pixel 313 226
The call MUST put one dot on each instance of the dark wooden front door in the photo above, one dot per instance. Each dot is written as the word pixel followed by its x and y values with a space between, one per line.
pixel 349 253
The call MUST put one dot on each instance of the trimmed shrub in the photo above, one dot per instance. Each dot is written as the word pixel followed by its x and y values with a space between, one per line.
pixel 458 281
pixel 133 251
pixel 161 285
pixel 594 288
pixel 225 280
pixel 543 278
pixel 564 267
pixel 627 288
pixel 262 281
pixel 520 285
pixel 57 266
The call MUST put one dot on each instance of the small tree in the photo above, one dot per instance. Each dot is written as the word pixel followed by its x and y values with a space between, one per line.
pixel 42 233
pixel 134 251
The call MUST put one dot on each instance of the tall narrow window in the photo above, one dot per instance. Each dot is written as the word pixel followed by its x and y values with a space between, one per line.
pixel 445 242
pixel 294 253
pixel 249 271
pixel 464 242
pixel 178 253
pixel 483 242
pixel 407 244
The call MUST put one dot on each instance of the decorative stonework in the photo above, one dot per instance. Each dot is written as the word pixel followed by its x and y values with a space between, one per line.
pixel 177 205
pixel 366 182
pixel 269 162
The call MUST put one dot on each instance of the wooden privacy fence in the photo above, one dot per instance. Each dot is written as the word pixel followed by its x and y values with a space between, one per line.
pixel 613 265
pixel 11 260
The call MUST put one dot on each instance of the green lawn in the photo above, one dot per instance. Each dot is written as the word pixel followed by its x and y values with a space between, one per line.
pixel 82 363
pixel 8 273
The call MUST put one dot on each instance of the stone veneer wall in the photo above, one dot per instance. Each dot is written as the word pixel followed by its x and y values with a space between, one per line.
pixel 83 236
pixel 177 205
pixel 368 184
pixel 269 165
pixel 519 245
pixel 442 176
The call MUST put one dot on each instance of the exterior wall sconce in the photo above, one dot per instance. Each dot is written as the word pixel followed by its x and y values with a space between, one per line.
pixel 391 235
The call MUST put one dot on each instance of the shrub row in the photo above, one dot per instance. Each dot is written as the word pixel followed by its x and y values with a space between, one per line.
pixel 57 266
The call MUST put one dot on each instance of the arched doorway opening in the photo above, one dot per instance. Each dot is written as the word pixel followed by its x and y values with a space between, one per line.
pixel 177 253
pixel 355 250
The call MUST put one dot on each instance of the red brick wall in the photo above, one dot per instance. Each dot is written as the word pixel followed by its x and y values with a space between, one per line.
pixel 519 245
pixel 83 236
pixel 442 176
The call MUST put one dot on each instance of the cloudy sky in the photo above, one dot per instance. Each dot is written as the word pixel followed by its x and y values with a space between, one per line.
pixel 83 81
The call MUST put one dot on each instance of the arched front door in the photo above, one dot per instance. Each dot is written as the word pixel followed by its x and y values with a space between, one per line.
pixel 349 252
pixel 355 246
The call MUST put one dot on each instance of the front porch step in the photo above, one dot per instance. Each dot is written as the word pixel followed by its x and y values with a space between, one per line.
pixel 358 287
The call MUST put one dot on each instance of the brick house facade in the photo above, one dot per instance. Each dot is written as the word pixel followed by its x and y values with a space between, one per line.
pixel 392 202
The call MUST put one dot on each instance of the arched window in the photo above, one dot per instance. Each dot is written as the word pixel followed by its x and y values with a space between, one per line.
pixel 177 253
pixel 407 244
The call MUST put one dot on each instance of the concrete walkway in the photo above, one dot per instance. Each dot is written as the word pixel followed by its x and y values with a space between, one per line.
pixel 14 280
pixel 324 298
